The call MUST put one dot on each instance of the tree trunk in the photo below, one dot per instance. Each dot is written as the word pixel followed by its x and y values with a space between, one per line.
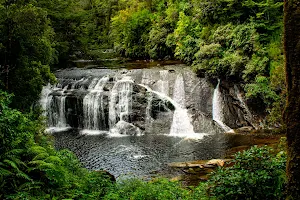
pixel 292 110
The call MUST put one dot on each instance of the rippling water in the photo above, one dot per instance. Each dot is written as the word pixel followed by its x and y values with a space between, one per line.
pixel 138 155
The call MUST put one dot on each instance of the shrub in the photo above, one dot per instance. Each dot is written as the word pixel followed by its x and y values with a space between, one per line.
pixel 136 189
pixel 256 174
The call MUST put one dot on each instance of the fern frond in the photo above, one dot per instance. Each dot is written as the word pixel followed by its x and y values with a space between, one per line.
pixel 14 152
pixel 30 185
pixel 37 150
pixel 5 172
pixel 21 174
pixel 11 164
pixel 53 159
pixel 41 156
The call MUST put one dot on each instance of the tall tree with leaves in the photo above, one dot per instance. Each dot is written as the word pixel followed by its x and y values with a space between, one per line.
pixel 292 111
pixel 26 50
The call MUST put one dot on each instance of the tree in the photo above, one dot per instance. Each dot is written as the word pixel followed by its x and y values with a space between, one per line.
pixel 292 110
pixel 26 51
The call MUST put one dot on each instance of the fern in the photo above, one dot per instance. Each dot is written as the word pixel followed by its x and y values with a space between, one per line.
pixel 36 150
pixel 54 159
pixel 11 164
pixel 41 156
pixel 4 172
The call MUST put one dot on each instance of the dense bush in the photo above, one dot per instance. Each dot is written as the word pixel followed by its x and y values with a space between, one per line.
pixel 137 189
pixel 30 167
pixel 130 30
pixel 256 174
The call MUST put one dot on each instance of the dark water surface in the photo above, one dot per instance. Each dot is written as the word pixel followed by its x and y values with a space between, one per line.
pixel 138 155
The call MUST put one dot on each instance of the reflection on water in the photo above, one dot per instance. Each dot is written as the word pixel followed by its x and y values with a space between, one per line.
pixel 138 155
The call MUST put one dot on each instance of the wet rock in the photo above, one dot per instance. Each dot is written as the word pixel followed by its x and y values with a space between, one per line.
pixel 125 128
pixel 201 163
pixel 244 129
pixel 218 162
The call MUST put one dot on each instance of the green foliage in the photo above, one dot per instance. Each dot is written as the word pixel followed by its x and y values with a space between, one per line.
pixel 31 168
pixel 229 39
pixel 131 32
pixel 256 174
pixel 28 82
pixel 228 51
pixel 27 50
pixel 156 189
pixel 261 88
pixel 35 35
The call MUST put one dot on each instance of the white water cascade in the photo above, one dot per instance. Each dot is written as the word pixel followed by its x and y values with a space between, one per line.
pixel 93 108
pixel 163 83
pixel 120 107
pixel 45 102
pixel 62 109
pixel 217 112
pixel 113 103
pixel 181 124
pixel 45 94
pixel 57 117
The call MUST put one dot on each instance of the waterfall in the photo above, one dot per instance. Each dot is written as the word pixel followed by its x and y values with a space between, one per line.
pixel 148 117
pixel 163 83
pixel 93 108
pixel 217 112
pixel 49 111
pixel 54 107
pixel 120 103
pixel 147 79
pixel 45 102
pixel 62 110
pixel 76 83
pixel 179 92
pixel 45 96
pixel 133 102
pixel 181 124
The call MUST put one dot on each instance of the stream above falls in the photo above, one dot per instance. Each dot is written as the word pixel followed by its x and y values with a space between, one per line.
pixel 135 121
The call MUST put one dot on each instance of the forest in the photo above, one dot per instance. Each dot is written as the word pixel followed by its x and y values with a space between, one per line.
pixel 241 41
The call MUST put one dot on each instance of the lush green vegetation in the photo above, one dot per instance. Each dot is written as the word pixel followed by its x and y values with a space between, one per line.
pixel 36 36
pixel 239 41
pixel 30 168
pixel 256 173
pixel 235 40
